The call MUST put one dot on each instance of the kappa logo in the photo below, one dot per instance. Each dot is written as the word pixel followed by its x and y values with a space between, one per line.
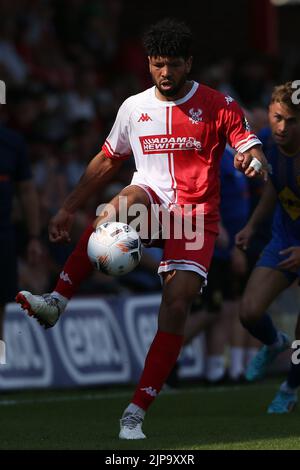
pixel 228 99
pixel 150 391
pixel 246 124
pixel 196 116
pixel 65 277
pixel 144 118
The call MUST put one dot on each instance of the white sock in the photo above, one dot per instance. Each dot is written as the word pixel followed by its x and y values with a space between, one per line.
pixel 250 353
pixel 63 301
pixel 284 387
pixel 134 409
pixel 236 368
pixel 215 367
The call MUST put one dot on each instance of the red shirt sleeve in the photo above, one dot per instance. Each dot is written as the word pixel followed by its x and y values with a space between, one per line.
pixel 234 125
pixel 117 145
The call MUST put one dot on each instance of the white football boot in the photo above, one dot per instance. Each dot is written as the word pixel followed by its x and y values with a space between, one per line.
pixel 131 426
pixel 46 308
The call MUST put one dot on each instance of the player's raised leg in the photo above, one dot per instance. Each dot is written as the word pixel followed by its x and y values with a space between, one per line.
pixel 179 290
pixel 262 288
pixel 48 307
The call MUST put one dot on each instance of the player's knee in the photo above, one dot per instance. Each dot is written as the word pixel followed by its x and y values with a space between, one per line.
pixel 249 311
pixel 176 306
pixel 173 315
pixel 135 195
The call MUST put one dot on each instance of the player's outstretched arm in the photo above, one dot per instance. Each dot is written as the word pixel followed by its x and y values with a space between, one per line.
pixel 99 171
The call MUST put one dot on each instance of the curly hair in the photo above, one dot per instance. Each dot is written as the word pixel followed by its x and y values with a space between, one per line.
pixel 283 94
pixel 168 38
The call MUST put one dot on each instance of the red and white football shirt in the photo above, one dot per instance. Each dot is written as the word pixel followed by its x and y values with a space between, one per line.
pixel 177 145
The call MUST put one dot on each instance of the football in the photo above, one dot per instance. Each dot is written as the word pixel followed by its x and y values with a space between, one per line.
pixel 114 248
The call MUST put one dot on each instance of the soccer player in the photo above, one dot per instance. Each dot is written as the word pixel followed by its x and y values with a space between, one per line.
pixel 279 264
pixel 15 173
pixel 177 131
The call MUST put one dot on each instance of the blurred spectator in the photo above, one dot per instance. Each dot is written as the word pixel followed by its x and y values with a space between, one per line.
pixel 79 102
pixel 15 173
pixel 35 274
pixel 9 57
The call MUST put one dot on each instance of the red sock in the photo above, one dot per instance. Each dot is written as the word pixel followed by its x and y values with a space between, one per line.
pixel 159 362
pixel 77 267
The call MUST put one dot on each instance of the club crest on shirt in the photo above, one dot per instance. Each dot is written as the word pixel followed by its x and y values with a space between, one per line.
pixel 228 99
pixel 246 124
pixel 195 116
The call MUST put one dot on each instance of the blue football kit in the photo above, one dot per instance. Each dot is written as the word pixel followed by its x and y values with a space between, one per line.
pixel 285 177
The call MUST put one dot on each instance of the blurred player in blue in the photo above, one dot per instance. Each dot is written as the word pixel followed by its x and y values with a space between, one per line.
pixel 279 264
pixel 229 272
pixel 227 278
pixel 15 173
pixel 216 310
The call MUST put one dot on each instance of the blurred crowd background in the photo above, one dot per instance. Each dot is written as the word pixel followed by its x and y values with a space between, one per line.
pixel 69 64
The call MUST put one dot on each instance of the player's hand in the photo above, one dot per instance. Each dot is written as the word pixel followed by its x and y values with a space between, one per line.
pixel 252 163
pixel 292 262
pixel 60 226
pixel 242 238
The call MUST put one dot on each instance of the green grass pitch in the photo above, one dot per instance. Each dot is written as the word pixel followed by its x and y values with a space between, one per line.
pixel 192 418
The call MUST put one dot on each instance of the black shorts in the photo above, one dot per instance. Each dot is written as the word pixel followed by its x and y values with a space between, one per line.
pixel 8 262
pixel 222 284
